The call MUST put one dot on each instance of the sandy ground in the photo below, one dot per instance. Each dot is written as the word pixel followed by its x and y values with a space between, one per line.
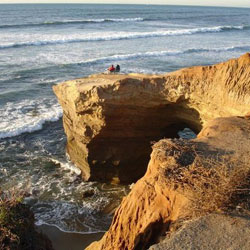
pixel 68 241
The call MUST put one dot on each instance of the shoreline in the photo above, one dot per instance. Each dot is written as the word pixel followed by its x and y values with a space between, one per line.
pixel 66 240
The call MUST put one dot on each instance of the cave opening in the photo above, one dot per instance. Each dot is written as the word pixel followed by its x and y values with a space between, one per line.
pixel 122 149
pixel 179 130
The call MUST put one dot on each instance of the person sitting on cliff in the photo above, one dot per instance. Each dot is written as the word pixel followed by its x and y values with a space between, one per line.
pixel 117 68
pixel 111 69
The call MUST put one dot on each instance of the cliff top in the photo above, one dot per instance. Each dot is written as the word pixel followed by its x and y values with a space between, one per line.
pixel 102 79
pixel 87 83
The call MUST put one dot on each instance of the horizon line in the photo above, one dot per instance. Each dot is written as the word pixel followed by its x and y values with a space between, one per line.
pixel 187 5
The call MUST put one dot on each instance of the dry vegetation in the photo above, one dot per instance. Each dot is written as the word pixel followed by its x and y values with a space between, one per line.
pixel 17 225
pixel 212 183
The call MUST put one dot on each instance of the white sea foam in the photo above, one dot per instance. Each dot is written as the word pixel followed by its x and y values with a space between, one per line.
pixel 40 222
pixel 136 19
pixel 138 55
pixel 101 20
pixel 97 20
pixel 70 217
pixel 50 39
pixel 132 56
pixel 27 116
pixel 76 59
pixel 73 21
pixel 68 165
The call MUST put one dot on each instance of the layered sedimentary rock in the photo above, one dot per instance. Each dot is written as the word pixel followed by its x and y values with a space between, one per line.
pixel 184 178
pixel 110 120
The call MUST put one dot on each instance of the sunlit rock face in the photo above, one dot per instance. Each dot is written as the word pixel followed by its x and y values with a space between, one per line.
pixel 183 178
pixel 111 120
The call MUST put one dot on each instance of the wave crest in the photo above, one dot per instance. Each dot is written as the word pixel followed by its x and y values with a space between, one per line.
pixel 160 53
pixel 65 22
pixel 120 36
pixel 27 116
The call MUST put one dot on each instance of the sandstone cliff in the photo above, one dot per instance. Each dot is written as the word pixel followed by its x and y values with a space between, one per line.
pixel 184 179
pixel 110 120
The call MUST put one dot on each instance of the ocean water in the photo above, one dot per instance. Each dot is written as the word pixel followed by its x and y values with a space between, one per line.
pixel 42 45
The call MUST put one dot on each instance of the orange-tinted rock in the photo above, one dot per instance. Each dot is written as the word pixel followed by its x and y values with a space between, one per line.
pixel 110 120
pixel 162 197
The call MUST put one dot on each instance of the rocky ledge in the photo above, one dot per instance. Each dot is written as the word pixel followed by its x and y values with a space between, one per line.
pixel 111 120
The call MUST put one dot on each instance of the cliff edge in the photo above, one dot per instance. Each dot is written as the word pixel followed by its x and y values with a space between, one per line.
pixel 111 120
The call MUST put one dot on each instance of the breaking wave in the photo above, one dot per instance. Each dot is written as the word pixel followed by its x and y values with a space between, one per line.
pixel 77 38
pixel 84 21
pixel 27 116
pixel 160 53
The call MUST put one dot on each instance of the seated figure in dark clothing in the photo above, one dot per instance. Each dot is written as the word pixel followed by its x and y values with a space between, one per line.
pixel 117 68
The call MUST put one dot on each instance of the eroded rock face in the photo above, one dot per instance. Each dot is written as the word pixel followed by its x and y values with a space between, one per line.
pixel 110 120
pixel 179 181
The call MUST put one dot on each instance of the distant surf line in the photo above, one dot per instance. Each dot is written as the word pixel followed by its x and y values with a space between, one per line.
pixel 65 22
pixel 123 36
pixel 93 21
pixel 161 53
pixel 148 54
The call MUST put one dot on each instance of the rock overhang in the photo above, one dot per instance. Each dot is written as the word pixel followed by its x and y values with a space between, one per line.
pixel 110 120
